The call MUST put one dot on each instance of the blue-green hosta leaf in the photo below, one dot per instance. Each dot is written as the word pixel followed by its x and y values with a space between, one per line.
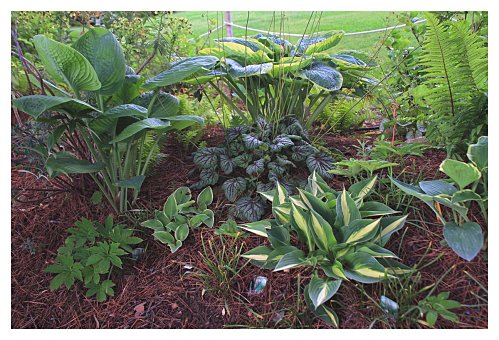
pixel 478 153
pixel 251 142
pixel 182 70
pixel 164 105
pixel 274 43
pixel 66 64
pixel 363 268
pixel 107 121
pixel 35 105
pixel 234 187
pixel 130 89
pixel 138 127
pixel 132 183
pixel 466 240
pixel 321 290
pixel 237 71
pixel 323 312
pixel 348 62
pixel 226 164
pixel 437 187
pixel 325 77
pixel 206 157
pixel 412 190
pixel 346 209
pixel 251 209
pixel 320 44
pixel 281 142
pixel 103 51
pixel 183 121
pixel 374 208
pixel 64 162
pixel 208 176
pixel 321 163
pixel 256 168
pixel 463 174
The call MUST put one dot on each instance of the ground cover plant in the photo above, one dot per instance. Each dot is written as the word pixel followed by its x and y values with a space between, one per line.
pixel 167 178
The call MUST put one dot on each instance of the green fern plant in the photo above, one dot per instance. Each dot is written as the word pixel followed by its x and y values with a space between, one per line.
pixel 455 83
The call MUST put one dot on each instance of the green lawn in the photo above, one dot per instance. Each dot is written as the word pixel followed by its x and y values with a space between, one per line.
pixel 299 23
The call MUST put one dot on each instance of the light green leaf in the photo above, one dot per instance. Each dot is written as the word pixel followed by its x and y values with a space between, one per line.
pixel 461 173
pixel 63 162
pixel 205 197
pixel 164 237
pixel 181 232
pixel 103 51
pixel 64 63
pixel 465 196
pixel 478 153
pixel 170 206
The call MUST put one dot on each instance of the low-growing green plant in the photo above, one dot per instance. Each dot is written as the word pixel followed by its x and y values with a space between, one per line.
pixel 385 150
pixel 89 255
pixel 440 305
pixel 254 158
pixel 341 236
pixel 106 122
pixel 180 214
pixel 464 236
pixel 354 167
pixel 229 228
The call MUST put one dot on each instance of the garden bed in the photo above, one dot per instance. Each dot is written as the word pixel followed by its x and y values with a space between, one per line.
pixel 162 290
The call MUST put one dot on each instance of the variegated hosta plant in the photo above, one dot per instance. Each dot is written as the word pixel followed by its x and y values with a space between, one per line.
pixel 255 158
pixel 97 114
pixel 274 77
pixel 341 235
pixel 180 214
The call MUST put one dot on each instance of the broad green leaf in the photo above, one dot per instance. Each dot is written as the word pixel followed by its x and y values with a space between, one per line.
pixel 175 246
pixel 234 69
pixel 205 197
pixel 346 210
pixel 466 240
pixel 412 190
pixel 461 173
pixel 465 196
pixel 210 221
pixel 361 230
pixel 329 41
pixel 376 251
pixel 182 70
pixel 183 121
pixel 37 104
pixel 181 232
pixel 325 77
pixel 314 203
pixel 63 162
pixel 253 44
pixel 278 236
pixel 348 62
pixel 103 51
pixel 106 122
pixel 164 104
pixel 322 231
pixel 131 183
pixel 164 237
pixel 170 207
pixel 290 260
pixel 66 64
pixel 197 220
pixel 153 224
pixel 289 65
pixel 321 290
pixel 140 126
pixel 388 226
pixel 478 153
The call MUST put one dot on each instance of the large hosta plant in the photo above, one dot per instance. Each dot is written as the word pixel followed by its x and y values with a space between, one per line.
pixel 254 158
pixel 105 122
pixel 340 235
pixel 274 77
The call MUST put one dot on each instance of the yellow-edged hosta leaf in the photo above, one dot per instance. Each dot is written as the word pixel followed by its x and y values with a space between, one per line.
pixel 260 253
pixel 322 231
pixel 362 230
pixel 346 210
pixel 325 44
pixel 289 65
pixel 300 224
